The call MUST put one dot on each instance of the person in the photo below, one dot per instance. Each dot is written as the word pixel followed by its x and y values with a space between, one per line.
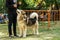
pixel 12 16
pixel 0 18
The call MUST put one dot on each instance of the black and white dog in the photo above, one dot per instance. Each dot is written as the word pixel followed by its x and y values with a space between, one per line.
pixel 32 18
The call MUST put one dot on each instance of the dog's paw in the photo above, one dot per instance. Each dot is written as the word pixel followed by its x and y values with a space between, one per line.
pixel 37 33
pixel 20 35
pixel 24 36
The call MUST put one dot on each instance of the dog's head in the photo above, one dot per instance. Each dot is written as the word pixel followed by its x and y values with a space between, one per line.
pixel 21 14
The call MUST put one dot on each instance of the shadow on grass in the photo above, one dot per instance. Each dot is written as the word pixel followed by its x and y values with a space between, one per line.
pixel 6 37
pixel 29 35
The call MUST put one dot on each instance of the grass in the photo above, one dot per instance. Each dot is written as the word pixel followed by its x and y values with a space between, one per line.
pixel 44 34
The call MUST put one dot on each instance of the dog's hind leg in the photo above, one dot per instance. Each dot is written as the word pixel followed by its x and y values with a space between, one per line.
pixel 37 31
pixel 36 28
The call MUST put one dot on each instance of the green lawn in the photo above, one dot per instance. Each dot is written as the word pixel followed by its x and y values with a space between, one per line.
pixel 52 34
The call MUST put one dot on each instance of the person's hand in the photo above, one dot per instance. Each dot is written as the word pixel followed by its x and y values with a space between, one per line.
pixel 20 3
pixel 15 5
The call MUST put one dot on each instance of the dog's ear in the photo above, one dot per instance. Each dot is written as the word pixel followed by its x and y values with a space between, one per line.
pixel 18 11
pixel 23 12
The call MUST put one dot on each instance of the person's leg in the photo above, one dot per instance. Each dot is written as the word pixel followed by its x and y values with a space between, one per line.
pixel 10 26
pixel 14 25
pixel 14 28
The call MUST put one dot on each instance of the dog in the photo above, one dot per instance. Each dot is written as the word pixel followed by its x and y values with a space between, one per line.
pixel 23 22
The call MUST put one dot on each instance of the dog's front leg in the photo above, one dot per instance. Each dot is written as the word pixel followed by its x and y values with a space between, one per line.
pixel 24 32
pixel 21 32
pixel 34 31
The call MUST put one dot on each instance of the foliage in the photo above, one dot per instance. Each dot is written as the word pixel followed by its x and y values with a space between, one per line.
pixel 29 4
pixel 44 4
pixel 34 4
pixel 2 6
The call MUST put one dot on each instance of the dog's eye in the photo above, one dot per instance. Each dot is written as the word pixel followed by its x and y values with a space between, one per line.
pixel 23 14
pixel 18 12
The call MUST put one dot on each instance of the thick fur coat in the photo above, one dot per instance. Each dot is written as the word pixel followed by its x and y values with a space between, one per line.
pixel 22 23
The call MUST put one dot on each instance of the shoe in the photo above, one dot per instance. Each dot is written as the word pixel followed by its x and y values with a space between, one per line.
pixel 10 36
pixel 16 36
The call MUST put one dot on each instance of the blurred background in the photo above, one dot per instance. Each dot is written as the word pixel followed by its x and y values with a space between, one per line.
pixel 41 7
pixel 31 5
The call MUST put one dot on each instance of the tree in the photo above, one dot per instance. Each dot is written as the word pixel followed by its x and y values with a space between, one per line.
pixel 29 4
pixel 2 5
pixel 34 4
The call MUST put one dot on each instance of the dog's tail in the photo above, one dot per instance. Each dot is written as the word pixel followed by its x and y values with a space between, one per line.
pixel 34 15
